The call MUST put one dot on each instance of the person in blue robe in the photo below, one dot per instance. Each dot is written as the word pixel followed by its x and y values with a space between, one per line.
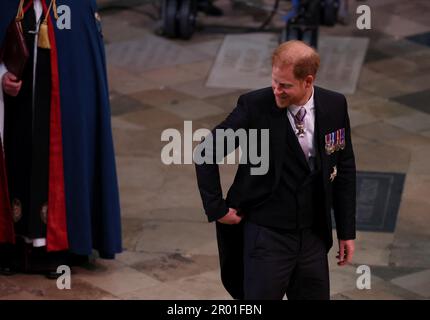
pixel 73 204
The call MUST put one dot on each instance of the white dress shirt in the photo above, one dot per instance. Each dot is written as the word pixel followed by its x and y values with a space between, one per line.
pixel 309 122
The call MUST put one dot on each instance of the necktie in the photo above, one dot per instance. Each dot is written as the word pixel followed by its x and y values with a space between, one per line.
pixel 299 121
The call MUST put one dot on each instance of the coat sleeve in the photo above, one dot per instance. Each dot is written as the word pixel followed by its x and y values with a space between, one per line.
pixel 344 187
pixel 208 178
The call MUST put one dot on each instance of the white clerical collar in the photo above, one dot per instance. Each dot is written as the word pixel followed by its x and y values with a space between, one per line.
pixel 309 105
pixel 38 9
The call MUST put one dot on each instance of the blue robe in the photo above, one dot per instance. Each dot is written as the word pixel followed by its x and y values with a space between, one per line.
pixel 90 180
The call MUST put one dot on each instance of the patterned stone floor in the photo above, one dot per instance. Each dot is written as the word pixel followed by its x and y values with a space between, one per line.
pixel 170 250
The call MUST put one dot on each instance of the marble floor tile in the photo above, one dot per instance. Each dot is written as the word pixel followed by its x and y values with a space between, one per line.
pixel 158 292
pixel 119 281
pixel 398 26
pixel 204 286
pixel 418 283
pixel 381 291
pixel 373 248
pixel 414 122
pixel 192 109
pixel 198 89
pixel 373 157
pixel 155 119
pixel 124 82
pixel 176 266
pixel 161 96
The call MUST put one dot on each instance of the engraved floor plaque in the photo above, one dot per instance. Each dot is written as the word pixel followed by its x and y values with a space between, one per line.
pixel 150 52
pixel 378 200
pixel 244 62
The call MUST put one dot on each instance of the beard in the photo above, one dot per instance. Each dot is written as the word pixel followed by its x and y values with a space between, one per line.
pixel 283 102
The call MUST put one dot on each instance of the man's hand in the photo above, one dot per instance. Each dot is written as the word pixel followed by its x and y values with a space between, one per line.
pixel 345 253
pixel 11 85
pixel 231 217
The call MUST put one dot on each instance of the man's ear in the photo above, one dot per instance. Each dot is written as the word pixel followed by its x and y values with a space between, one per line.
pixel 309 81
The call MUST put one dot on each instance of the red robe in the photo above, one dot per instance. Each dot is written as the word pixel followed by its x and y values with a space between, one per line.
pixel 56 233
pixel 7 234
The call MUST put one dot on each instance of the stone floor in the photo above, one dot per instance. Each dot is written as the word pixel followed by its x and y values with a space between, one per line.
pixel 170 249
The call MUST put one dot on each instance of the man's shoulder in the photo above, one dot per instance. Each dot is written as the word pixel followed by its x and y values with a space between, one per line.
pixel 258 100
pixel 257 95
pixel 328 94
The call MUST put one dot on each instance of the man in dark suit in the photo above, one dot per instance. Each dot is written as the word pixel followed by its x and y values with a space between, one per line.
pixel 274 230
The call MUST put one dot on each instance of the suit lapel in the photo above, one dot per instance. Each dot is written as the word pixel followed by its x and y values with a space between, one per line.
pixel 321 122
pixel 295 145
pixel 277 126
pixel 282 137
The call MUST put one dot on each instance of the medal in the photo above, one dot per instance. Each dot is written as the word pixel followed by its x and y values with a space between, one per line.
pixel 300 130
pixel 342 138
pixel 329 144
pixel 299 122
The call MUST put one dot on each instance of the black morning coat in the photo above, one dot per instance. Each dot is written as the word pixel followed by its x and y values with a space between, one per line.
pixel 258 110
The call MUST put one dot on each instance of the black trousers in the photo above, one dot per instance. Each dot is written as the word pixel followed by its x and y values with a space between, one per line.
pixel 279 262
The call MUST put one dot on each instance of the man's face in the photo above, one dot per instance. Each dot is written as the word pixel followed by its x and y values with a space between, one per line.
pixel 287 89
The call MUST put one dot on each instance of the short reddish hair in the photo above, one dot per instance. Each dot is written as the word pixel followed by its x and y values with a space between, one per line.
pixel 304 59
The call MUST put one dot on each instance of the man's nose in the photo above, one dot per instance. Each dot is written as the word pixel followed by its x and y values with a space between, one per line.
pixel 277 89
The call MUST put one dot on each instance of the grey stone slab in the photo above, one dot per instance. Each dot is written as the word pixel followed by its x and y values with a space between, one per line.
pixel 150 52
pixel 414 122
pixel 8 288
pixel 341 61
pixel 412 10
pixel 358 118
pixel 160 291
pixel 381 290
pixel 396 66
pixel 417 100
pixel 173 75
pixel 115 29
pixel 243 62
pixel 178 237
pixel 210 48
pixel 192 109
pixel 373 55
pixel 421 38
pixel 411 251
pixel 378 84
pixel 199 90
pixel 207 285
pixel 373 248
pixel 381 132
pixel 151 118
pixel 378 200
pixel 122 104
pixel 161 96
pixel 400 46
pixel 126 83
pixel 175 266
pixel 418 283
pixel 227 101
pixel 398 26
pixel 419 159
pixel 371 156
pixel 388 273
